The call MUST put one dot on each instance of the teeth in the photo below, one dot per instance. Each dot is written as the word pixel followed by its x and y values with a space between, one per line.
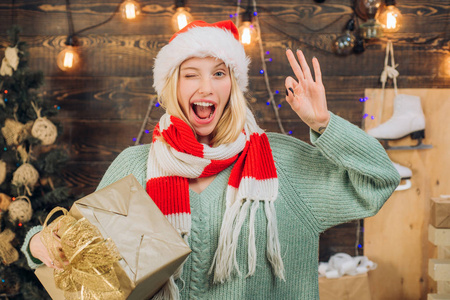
pixel 203 103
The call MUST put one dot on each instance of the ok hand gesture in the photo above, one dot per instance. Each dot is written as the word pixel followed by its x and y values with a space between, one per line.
pixel 306 96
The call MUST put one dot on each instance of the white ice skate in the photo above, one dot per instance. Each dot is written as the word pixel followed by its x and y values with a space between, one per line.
pixel 407 119
pixel 405 174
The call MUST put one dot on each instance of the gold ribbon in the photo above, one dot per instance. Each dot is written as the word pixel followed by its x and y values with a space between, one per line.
pixel 90 273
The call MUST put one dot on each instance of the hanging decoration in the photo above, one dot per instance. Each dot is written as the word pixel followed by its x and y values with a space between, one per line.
pixel 182 17
pixel 130 9
pixel 14 132
pixel 345 43
pixel 8 254
pixel 20 210
pixel 2 171
pixel 371 29
pixel 10 62
pixel 247 31
pixel 43 128
pixel 390 17
pixel 69 58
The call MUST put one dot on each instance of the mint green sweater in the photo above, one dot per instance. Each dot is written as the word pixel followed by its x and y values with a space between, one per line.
pixel 345 175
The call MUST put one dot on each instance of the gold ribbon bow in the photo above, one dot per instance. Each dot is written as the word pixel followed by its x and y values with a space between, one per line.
pixel 90 273
pixel 8 254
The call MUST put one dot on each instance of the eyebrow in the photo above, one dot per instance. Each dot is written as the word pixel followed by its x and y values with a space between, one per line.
pixel 194 68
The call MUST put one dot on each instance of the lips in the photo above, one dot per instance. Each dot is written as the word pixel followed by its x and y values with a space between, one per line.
pixel 203 111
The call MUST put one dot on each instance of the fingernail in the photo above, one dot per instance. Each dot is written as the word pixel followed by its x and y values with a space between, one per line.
pixel 292 90
pixel 314 57
pixel 287 93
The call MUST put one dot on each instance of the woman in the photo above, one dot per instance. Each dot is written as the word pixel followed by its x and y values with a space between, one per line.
pixel 250 205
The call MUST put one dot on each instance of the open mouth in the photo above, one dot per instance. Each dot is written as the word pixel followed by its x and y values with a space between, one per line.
pixel 203 110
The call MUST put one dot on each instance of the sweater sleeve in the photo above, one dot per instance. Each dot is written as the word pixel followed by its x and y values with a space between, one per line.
pixel 33 262
pixel 132 160
pixel 345 175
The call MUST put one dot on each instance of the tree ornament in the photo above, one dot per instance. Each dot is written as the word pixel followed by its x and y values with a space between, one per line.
pixel 8 254
pixel 10 62
pixel 26 175
pixel 20 210
pixel 2 171
pixel 43 128
pixel 14 132
pixel 5 200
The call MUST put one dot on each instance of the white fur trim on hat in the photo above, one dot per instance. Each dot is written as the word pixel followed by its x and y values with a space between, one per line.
pixel 201 42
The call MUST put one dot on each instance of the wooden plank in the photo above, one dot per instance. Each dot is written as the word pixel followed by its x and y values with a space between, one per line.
pixel 396 238
pixel 439 269
pixel 38 18
pixel 133 55
pixel 438 236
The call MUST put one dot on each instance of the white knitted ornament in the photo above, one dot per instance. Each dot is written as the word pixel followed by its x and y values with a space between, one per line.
pixel 10 62
pixel 20 210
pixel 14 132
pixel 2 171
pixel 26 175
pixel 44 130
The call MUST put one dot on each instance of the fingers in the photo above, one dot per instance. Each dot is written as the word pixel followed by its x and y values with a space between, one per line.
pixel 294 65
pixel 304 65
pixel 317 71
pixel 291 88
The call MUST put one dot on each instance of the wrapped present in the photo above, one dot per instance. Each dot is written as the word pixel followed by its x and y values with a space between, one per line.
pixel 440 212
pixel 347 287
pixel 118 243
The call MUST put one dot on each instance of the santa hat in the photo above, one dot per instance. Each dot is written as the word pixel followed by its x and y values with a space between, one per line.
pixel 201 39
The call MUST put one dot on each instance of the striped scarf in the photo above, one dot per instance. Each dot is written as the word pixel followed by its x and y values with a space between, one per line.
pixel 177 156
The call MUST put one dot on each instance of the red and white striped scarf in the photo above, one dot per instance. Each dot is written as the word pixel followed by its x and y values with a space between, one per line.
pixel 176 156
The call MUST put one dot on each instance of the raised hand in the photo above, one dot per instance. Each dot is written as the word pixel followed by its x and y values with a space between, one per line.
pixel 306 96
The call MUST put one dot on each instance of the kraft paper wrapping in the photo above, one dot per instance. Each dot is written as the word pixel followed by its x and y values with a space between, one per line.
pixel 345 288
pixel 440 212
pixel 150 247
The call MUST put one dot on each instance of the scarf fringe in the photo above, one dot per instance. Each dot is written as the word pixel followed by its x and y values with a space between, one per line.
pixel 252 240
pixel 169 291
pixel 273 243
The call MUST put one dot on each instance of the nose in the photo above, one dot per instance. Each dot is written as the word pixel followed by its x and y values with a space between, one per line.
pixel 205 86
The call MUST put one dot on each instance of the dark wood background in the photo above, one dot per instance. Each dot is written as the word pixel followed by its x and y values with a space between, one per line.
pixel 104 103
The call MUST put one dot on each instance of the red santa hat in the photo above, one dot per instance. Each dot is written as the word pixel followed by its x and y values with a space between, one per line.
pixel 201 39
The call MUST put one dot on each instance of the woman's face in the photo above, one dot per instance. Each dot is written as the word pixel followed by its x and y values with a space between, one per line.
pixel 204 88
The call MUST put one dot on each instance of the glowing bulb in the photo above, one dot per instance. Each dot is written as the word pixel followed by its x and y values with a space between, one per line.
pixel 130 9
pixel 390 18
pixel 181 18
pixel 68 59
pixel 247 33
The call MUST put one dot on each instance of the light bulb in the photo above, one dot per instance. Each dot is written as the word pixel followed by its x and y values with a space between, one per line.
pixel 247 33
pixel 130 9
pixel 371 7
pixel 345 43
pixel 390 18
pixel 181 18
pixel 68 59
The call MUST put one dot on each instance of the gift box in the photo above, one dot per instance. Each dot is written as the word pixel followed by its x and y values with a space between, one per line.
pixel 150 248
pixel 345 288
pixel 440 212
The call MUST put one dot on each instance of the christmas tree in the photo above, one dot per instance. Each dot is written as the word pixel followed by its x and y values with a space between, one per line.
pixel 31 163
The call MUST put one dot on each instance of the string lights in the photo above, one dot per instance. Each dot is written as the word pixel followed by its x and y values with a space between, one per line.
pixel 390 17
pixel 69 59
pixel 247 31
pixel 181 17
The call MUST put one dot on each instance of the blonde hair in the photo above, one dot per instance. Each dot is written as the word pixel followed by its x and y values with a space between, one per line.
pixel 232 120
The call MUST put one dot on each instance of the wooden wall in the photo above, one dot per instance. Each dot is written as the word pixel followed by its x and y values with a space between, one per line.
pixel 104 103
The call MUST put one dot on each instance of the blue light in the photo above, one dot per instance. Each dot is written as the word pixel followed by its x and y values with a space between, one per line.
pixel 231 16
pixel 267 52
pixel 59 107
pixel 157 104
pixel 147 131
pixel 290 132
pixel 134 139
pixel 261 71
pixel 270 59
pixel 3 280
pixel 365 116
pixel 359 246
pixel 255 13
pixel 268 103
pixel 6 100
pixel 5 148
pixel 279 105
pixel 372 117
pixel 277 91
